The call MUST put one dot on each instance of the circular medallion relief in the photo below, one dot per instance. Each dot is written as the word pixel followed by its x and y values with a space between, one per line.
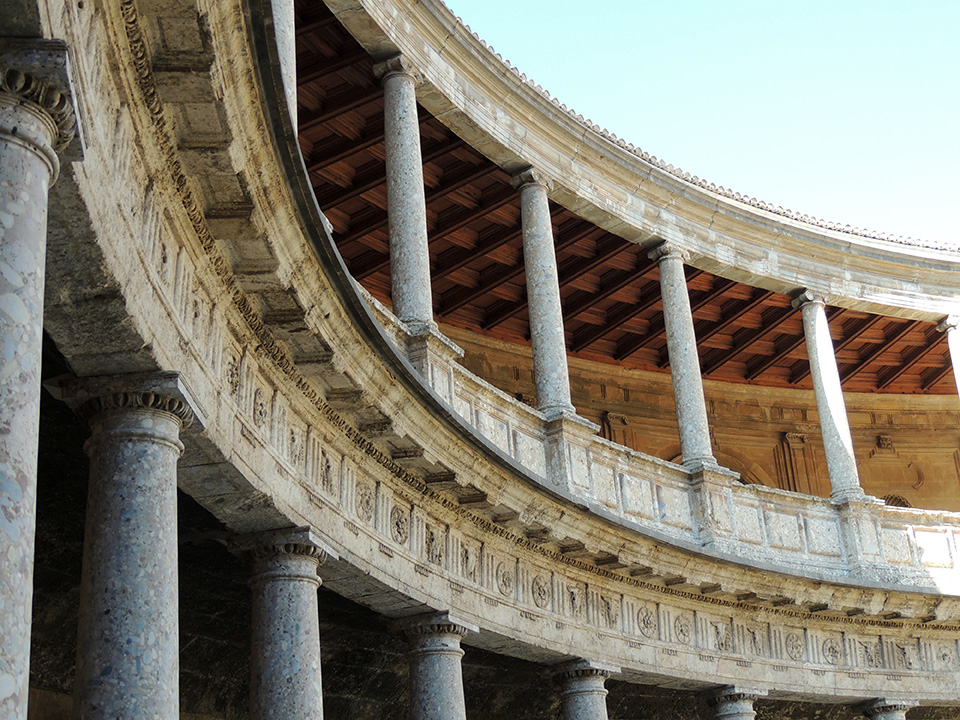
pixel 542 593
pixel 794 646
pixel 399 524
pixel 683 629
pixel 831 651
pixel 647 621
pixel 505 579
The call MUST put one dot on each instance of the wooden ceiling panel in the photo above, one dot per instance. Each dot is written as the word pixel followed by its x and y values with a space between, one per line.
pixel 609 288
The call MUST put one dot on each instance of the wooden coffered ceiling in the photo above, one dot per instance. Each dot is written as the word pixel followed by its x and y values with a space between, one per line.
pixel 610 290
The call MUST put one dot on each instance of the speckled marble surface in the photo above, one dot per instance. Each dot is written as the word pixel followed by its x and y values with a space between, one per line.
pixel 834 425
pixel 436 677
pixel 543 295
pixel 128 638
pixel 684 360
pixel 406 200
pixel 27 166
pixel 582 692
pixel 285 659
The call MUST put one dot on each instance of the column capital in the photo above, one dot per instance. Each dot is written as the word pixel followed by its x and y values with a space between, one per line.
pixel 397 64
pixel 37 71
pixel 806 297
pixel 299 541
pixel 530 176
pixel 162 391
pixel 735 693
pixel 668 249
pixel 950 322
pixel 584 669
pixel 884 706
pixel 442 623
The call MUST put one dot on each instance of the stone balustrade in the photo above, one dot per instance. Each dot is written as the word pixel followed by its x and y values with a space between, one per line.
pixel 754 524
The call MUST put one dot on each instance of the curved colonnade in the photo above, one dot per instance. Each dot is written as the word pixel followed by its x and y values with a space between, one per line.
pixel 318 427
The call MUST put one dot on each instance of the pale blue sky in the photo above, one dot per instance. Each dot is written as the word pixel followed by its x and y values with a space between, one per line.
pixel 845 110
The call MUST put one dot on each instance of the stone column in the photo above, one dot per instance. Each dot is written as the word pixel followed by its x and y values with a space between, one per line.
pixel 582 694
pixel 436 680
pixel 36 122
pixel 834 426
pixel 735 703
pixel 128 636
pixel 285 653
pixel 695 444
pixel 888 709
pixel 949 326
pixel 543 296
pixel 406 200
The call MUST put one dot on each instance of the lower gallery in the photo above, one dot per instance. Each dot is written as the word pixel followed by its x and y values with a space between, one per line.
pixel 344 369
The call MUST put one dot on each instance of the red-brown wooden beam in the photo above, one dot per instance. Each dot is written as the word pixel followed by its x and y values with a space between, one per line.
pixel 339 105
pixel 936 375
pixel 320 69
pixel 616 317
pixel 376 262
pixel 631 345
pixel 743 339
pixel 610 284
pixel 315 25
pixel 504 311
pixel 933 338
pixel 860 328
pixel 377 176
pixel 879 350
pixel 757 368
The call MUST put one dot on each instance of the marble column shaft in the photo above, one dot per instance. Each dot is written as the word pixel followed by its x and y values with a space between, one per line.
pixel 834 425
pixel 582 692
pixel 550 372
pixel 406 199
pixel 436 678
pixel 949 326
pixel 35 121
pixel 285 654
pixel 128 636
pixel 734 703
pixel 695 446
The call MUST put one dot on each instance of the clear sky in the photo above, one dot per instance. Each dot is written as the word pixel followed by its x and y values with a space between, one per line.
pixel 846 110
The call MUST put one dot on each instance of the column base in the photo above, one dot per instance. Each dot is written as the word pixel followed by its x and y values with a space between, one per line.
pixel 709 496
pixel 434 356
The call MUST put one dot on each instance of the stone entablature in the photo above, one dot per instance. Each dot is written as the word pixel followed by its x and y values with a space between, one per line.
pixel 312 419
pixel 753 524
pixel 488 104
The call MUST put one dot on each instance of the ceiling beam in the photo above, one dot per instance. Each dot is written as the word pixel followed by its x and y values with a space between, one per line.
pixel 616 317
pixel 347 146
pixel 328 66
pixel 340 105
pixel 933 340
pixel 610 284
pixel 879 350
pixel 861 327
pixel 757 368
pixel 743 339
pixel 937 375
pixel 316 25
pixel 564 240
pixel 629 346
pixel 376 177
pixel 456 221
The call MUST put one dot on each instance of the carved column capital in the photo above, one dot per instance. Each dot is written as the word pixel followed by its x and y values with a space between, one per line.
pixel 668 250
pixel 161 392
pixel 949 323
pixel 442 623
pixel 530 176
pixel 36 72
pixel 735 693
pixel 806 297
pixel 397 64
pixel 888 708
pixel 584 669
